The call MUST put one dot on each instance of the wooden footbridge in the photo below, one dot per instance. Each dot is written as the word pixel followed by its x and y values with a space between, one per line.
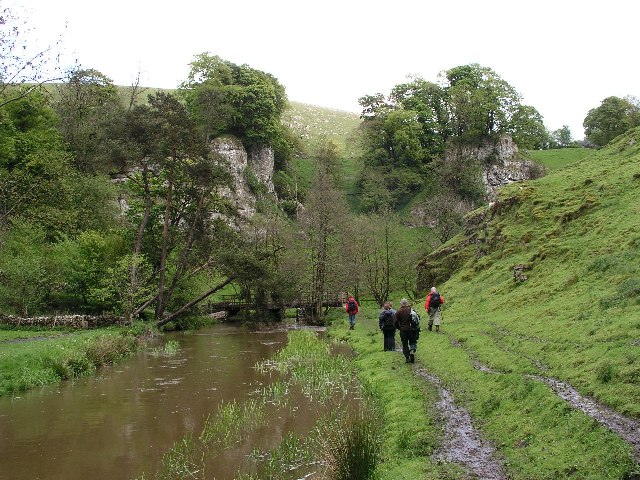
pixel 232 304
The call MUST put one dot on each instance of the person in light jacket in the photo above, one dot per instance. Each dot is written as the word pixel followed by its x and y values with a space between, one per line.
pixel 432 307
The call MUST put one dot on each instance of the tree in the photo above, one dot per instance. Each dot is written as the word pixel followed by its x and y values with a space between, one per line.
pixel 377 255
pixel 226 98
pixel 22 70
pixel 481 102
pixel 38 178
pixel 174 198
pixel 527 128
pixel 429 101
pixel 86 261
pixel 268 264
pixel 87 105
pixel 25 277
pixel 445 215
pixel 324 226
pixel 613 117
pixel 562 138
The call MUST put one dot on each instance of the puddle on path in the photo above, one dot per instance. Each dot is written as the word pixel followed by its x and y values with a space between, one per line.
pixel 462 443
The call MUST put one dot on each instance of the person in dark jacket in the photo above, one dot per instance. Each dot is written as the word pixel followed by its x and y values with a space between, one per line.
pixel 408 336
pixel 386 322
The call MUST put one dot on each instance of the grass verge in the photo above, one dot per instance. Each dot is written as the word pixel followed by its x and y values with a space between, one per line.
pixel 45 360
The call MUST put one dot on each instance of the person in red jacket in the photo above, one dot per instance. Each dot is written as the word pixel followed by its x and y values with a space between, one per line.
pixel 352 309
pixel 432 307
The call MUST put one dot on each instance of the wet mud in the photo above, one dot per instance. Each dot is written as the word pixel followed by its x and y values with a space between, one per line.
pixel 462 443
pixel 627 428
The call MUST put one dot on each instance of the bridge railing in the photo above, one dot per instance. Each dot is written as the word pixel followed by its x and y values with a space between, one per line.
pixel 237 302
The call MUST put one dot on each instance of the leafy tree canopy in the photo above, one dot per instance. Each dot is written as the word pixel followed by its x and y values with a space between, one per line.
pixel 409 129
pixel 88 105
pixel 227 98
pixel 481 102
pixel 613 117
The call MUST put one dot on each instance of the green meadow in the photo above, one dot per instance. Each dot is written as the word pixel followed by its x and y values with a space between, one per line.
pixel 556 158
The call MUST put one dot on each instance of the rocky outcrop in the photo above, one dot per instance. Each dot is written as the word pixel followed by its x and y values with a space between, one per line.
pixel 499 162
pixel 250 172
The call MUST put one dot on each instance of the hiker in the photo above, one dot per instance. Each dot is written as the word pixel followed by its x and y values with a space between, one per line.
pixel 386 322
pixel 408 334
pixel 352 309
pixel 432 306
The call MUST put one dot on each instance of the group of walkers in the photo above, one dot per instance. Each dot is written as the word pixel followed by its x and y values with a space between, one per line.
pixel 406 320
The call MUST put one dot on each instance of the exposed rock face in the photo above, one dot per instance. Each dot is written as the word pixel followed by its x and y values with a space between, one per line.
pixel 261 162
pixel 499 161
pixel 242 166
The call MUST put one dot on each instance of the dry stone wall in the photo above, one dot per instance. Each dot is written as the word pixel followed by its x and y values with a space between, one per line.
pixel 69 321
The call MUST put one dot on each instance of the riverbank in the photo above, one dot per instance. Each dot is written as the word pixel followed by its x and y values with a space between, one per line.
pixel 532 430
pixel 37 357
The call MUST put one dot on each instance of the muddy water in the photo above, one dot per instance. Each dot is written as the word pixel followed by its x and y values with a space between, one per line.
pixel 118 424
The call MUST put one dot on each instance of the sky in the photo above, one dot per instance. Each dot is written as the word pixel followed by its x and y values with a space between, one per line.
pixel 563 56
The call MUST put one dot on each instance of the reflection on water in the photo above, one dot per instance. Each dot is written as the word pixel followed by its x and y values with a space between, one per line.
pixel 118 424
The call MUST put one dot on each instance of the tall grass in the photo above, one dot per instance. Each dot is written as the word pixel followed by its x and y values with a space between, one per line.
pixel 232 423
pixel 310 364
pixel 168 349
pixel 352 446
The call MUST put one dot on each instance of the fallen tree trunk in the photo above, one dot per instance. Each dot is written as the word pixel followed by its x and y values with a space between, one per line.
pixel 187 306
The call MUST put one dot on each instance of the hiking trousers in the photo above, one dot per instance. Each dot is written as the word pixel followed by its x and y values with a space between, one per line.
pixel 409 342
pixel 389 340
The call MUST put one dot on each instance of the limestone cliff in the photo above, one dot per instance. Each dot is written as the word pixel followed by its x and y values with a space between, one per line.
pixel 499 162
pixel 251 172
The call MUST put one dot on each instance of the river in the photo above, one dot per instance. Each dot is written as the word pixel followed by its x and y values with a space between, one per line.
pixel 119 423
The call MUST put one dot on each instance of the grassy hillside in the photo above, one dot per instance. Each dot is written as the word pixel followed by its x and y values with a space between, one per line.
pixel 313 124
pixel 576 317
pixel 557 157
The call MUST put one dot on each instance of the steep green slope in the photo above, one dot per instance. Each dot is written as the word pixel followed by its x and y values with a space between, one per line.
pixel 575 235
pixel 312 124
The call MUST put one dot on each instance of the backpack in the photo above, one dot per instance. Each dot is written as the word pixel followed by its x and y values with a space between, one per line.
pixel 351 306
pixel 414 320
pixel 388 320
pixel 434 300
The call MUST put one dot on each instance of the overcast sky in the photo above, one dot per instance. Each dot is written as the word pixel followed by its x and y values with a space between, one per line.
pixel 563 56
